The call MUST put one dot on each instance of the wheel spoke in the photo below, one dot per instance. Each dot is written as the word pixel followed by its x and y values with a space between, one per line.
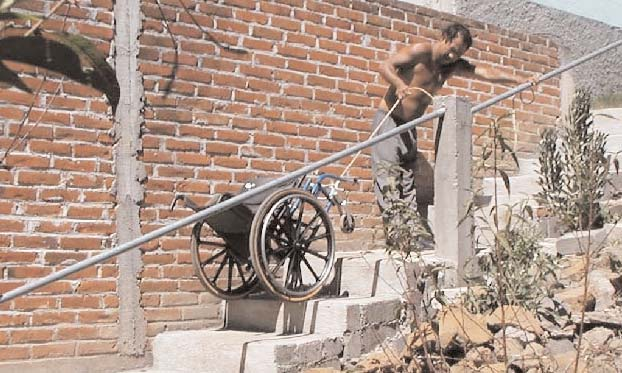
pixel 277 237
pixel 322 236
pixel 212 243
pixel 280 263
pixel 237 264
pixel 317 215
pixel 230 276
pixel 316 254
pixel 317 278
pixel 299 221
pixel 222 265
pixel 290 273
pixel 298 275
pixel 294 270
pixel 211 259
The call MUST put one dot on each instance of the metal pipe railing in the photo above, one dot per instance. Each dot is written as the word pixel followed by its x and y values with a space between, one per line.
pixel 282 180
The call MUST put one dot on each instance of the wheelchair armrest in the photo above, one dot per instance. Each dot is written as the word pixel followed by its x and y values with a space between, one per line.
pixel 190 203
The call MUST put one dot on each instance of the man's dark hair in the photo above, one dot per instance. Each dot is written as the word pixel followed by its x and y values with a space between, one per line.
pixel 453 30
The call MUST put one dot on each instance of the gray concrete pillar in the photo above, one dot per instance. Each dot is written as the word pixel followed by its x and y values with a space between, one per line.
pixel 130 175
pixel 452 187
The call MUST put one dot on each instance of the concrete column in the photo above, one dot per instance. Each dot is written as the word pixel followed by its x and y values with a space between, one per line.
pixel 452 186
pixel 130 174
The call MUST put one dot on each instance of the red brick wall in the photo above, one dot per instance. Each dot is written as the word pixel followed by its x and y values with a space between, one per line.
pixel 56 205
pixel 300 85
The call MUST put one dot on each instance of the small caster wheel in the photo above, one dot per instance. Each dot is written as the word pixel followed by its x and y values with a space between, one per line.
pixel 347 223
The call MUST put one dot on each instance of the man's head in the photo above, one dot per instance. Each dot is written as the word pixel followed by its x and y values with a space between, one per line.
pixel 456 40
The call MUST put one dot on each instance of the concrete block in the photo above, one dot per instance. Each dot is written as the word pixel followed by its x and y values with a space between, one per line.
pixel 265 314
pixel 253 314
pixel 353 345
pixel 614 186
pixel 549 246
pixel 358 271
pixel 577 242
pixel 206 351
pixel 391 277
pixel 351 314
pixel 528 166
pixel 335 316
pixel 381 311
pixel 608 121
pixel 291 354
pixel 522 188
pixel 613 232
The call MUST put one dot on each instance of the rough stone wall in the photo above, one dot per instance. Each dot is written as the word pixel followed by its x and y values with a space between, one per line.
pixel 259 89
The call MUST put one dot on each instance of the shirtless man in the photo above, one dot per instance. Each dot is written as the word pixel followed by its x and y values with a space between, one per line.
pixel 416 73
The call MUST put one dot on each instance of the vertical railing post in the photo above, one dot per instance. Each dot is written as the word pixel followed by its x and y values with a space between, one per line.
pixel 452 187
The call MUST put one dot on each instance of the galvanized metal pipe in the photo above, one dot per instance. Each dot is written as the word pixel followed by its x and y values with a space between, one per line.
pixel 282 180
pixel 546 76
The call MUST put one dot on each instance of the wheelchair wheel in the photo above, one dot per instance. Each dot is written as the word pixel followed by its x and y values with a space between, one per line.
pixel 292 245
pixel 219 268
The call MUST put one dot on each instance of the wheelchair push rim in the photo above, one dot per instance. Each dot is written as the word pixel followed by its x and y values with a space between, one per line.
pixel 292 245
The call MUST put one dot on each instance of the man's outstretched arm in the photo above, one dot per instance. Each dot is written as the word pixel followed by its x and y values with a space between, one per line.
pixel 489 74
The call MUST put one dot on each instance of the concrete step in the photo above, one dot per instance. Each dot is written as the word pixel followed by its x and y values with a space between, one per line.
pixel 262 334
pixel 321 315
pixel 332 329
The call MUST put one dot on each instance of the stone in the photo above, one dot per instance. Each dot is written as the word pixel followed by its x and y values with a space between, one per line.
pixel 555 331
pixel 517 333
pixel 572 268
pixel 559 346
pixel 572 299
pixel 322 370
pixel 603 290
pixel 534 349
pixel 514 348
pixel 526 363
pixel 416 340
pixel 615 344
pixel 565 363
pixel 492 368
pixel 549 363
pixel 547 303
pixel 611 318
pixel 515 316
pixel 614 257
pixel 456 324
pixel 481 355
pixel 603 364
pixel 463 366
pixel 597 337
pixel 377 361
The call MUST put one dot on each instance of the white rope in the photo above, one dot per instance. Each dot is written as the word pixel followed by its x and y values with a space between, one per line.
pixel 335 186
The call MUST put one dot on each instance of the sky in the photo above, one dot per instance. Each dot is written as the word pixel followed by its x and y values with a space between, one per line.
pixel 608 11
